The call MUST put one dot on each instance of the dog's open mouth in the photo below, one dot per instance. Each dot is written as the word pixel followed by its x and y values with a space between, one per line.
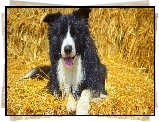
pixel 69 61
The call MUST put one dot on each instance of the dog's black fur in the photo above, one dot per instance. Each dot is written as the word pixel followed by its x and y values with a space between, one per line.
pixel 95 72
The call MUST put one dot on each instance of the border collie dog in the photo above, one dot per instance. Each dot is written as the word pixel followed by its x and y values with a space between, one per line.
pixel 75 66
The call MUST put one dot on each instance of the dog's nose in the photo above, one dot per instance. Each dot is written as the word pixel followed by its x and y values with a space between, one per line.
pixel 68 49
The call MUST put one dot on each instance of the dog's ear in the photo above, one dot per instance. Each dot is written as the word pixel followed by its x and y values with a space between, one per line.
pixel 51 17
pixel 83 13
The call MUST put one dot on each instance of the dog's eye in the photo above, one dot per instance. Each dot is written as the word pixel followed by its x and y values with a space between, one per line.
pixel 72 31
pixel 62 31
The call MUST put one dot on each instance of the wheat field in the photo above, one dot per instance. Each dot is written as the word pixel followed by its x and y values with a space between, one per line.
pixel 124 38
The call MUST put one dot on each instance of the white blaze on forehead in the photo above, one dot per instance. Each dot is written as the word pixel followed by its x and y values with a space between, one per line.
pixel 68 40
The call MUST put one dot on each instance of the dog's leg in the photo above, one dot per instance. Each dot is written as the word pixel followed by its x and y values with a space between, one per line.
pixel 83 103
pixel 103 76
pixel 97 99
pixel 71 103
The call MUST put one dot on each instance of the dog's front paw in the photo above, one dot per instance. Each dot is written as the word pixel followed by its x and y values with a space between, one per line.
pixel 83 103
pixel 82 108
pixel 71 104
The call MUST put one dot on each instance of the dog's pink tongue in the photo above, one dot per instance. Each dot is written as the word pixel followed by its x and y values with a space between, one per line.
pixel 68 61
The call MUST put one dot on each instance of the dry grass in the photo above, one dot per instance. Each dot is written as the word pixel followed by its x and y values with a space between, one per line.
pixel 125 43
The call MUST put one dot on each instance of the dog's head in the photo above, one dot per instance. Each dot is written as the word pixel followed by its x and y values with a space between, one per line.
pixel 67 34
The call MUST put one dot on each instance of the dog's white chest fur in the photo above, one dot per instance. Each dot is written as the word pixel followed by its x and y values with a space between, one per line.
pixel 70 78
